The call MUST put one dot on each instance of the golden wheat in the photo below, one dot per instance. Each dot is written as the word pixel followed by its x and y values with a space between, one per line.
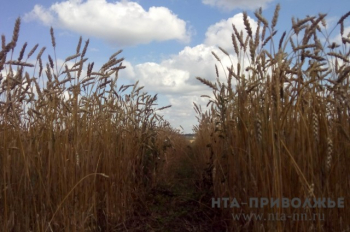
pixel 54 131
pixel 283 121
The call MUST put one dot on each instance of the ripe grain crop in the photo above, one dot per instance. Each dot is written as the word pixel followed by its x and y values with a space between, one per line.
pixel 77 154
pixel 281 129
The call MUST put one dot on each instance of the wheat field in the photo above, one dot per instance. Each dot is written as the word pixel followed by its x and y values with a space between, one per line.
pixel 79 152
pixel 282 131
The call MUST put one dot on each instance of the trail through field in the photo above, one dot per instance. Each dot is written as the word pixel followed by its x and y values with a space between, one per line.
pixel 178 204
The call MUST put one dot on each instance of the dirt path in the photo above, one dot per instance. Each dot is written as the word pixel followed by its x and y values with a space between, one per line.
pixel 178 205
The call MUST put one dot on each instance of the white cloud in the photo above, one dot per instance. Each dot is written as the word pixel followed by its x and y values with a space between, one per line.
pixel 182 113
pixel 158 78
pixel 41 14
pixel 175 80
pixel 128 71
pixel 175 77
pixel 197 61
pixel 228 5
pixel 123 23
pixel 220 33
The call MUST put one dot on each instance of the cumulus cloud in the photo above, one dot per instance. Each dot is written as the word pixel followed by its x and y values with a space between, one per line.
pixel 160 78
pixel 228 5
pixel 175 79
pixel 182 113
pixel 123 23
pixel 197 61
pixel 177 75
pixel 41 14
pixel 220 33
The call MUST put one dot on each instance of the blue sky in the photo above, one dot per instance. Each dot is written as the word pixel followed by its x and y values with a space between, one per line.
pixel 166 43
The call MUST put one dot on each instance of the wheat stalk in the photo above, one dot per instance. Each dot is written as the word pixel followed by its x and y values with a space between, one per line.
pixel 40 53
pixel 329 153
pixel 247 24
pixel 315 127
pixel 85 48
pixel 53 40
pixel 31 52
pixel 15 33
pixel 3 42
pixel 275 17
pixel 21 53
pixel 261 18
pixel 206 82
pixel 235 45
